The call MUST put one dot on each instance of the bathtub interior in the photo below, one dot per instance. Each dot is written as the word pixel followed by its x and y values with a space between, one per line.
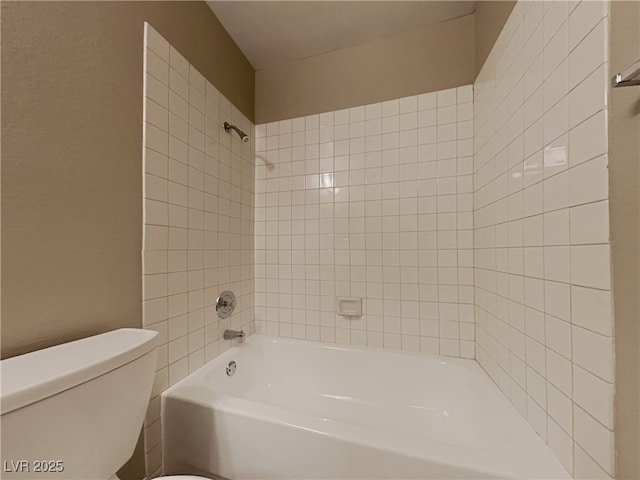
pixel 457 405
pixel 436 414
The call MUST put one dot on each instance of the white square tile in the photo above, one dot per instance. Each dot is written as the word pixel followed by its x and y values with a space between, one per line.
pixel 178 83
pixel 593 352
pixel 558 335
pixel 155 188
pixel 556 49
pixel 561 444
pixel 560 407
pixel 590 223
pixel 408 104
pixel 555 124
pixel 155 163
pixel 155 237
pixel 446 97
pixel 178 106
pixel 156 42
pixel 157 67
pixel 356 114
pixel 588 139
pixel 536 386
pixel 534 107
pixel 590 266
pixel 556 13
pixel 155 286
pixel 583 18
pixel 559 375
pixel 154 310
pixel 156 139
pixel 556 232
pixel 557 299
pixel 464 94
pixel 592 309
pixel 179 63
pixel 594 438
pixel 589 54
pixel 556 192
pixel 589 181
pixel 589 97
pixel 155 213
pixel 537 418
pixel 178 370
pixel 593 395
pixel 585 467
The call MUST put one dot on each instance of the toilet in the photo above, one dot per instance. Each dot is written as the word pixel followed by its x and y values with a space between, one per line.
pixel 74 411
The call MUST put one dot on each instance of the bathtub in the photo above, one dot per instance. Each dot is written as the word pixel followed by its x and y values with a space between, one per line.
pixel 300 409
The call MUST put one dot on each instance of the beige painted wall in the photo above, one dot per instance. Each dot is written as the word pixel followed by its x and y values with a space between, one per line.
pixel 490 17
pixel 71 164
pixel 431 58
pixel 444 55
pixel 624 164
pixel 72 159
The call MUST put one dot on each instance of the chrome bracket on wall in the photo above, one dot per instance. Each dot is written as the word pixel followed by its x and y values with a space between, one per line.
pixel 225 304
pixel 631 76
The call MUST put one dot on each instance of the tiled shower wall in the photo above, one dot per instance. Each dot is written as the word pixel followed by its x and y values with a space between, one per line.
pixel 543 299
pixel 198 220
pixel 372 202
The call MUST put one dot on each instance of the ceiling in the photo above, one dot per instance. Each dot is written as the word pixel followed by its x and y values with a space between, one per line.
pixel 272 33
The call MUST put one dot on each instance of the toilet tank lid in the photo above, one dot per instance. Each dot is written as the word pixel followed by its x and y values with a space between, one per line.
pixel 34 376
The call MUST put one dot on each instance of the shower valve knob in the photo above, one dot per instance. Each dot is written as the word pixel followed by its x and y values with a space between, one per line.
pixel 225 304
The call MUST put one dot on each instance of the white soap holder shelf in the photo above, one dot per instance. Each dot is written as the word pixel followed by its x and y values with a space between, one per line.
pixel 349 306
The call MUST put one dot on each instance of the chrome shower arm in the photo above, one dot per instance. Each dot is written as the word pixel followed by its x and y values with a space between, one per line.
pixel 243 136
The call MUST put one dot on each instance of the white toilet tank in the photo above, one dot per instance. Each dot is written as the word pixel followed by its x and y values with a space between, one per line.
pixel 74 411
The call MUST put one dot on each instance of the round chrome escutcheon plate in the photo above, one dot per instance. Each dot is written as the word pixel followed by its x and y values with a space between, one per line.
pixel 231 368
pixel 225 304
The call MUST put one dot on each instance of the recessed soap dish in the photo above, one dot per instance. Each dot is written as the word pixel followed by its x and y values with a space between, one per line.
pixel 349 306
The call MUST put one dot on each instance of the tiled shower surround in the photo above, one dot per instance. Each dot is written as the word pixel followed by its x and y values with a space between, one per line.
pixel 198 220
pixel 541 245
pixel 472 222
pixel 373 202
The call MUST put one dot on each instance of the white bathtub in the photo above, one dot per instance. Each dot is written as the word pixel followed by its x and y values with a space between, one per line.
pixel 299 409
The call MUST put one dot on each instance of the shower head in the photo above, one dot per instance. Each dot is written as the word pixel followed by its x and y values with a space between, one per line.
pixel 243 136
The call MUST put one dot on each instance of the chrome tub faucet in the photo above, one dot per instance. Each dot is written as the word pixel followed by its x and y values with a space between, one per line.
pixel 233 334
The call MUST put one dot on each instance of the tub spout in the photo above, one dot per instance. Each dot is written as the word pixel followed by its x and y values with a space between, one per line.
pixel 231 334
